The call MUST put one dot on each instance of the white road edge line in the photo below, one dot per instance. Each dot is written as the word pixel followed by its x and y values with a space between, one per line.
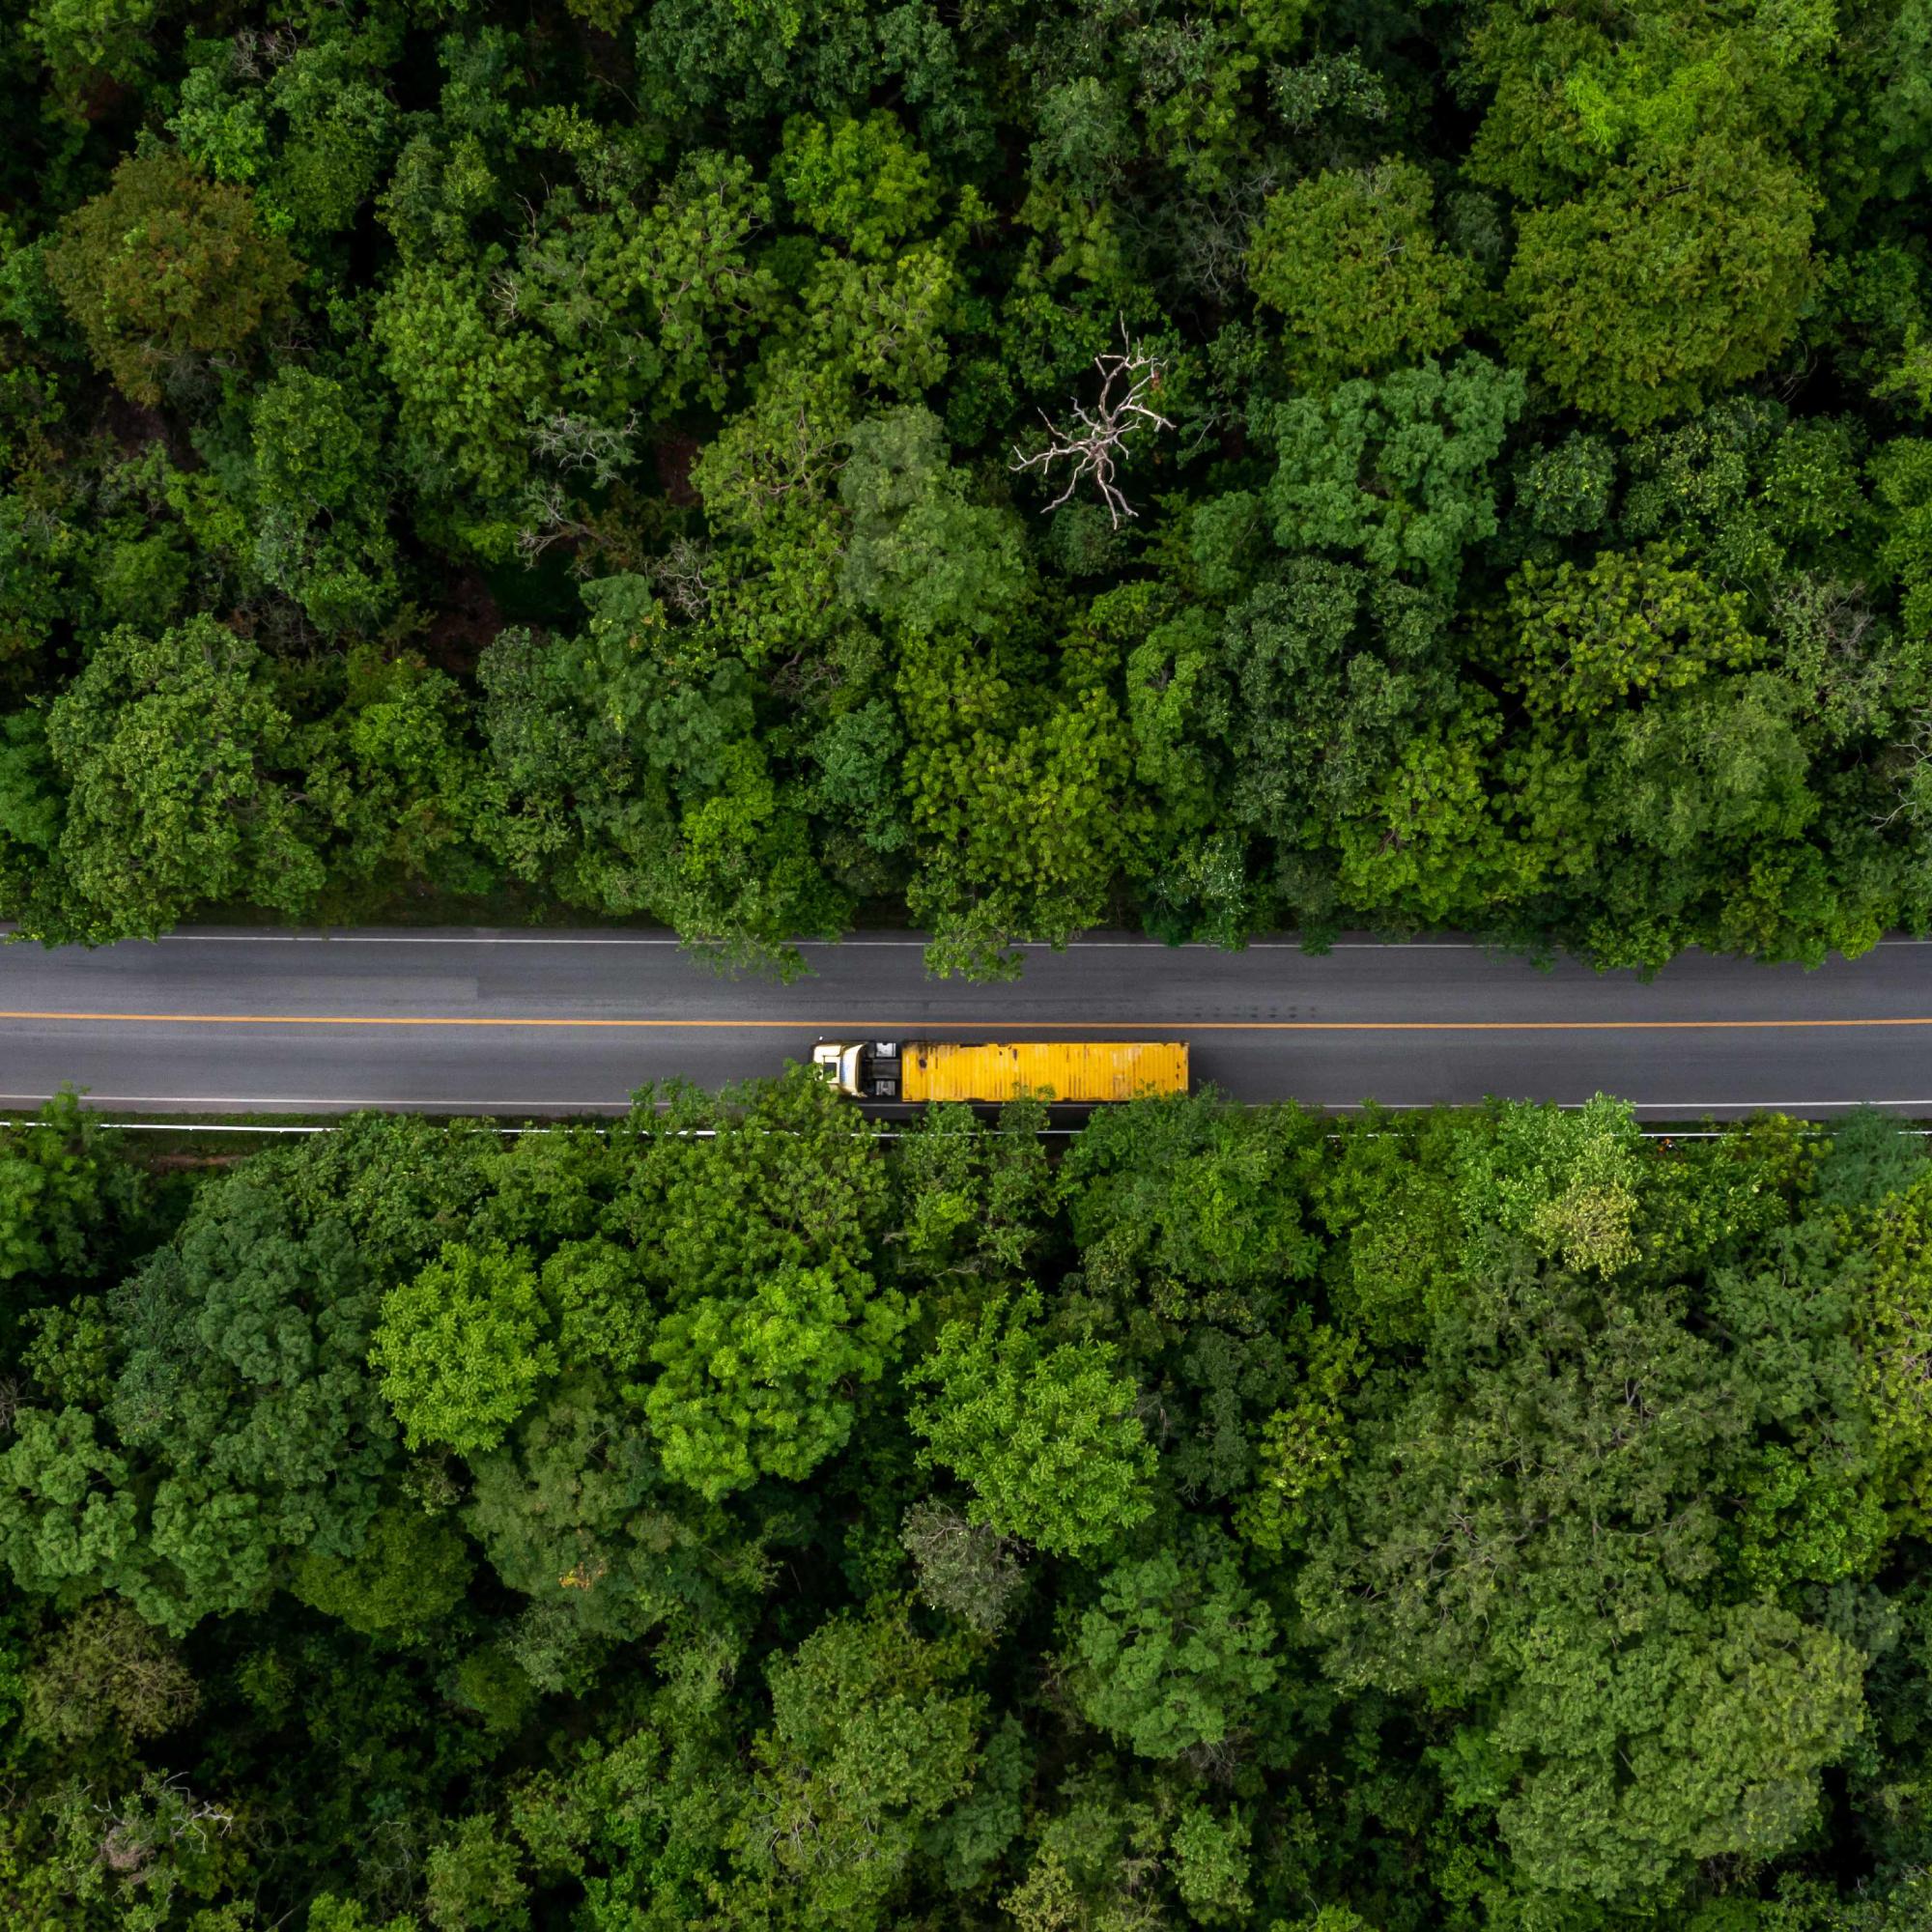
pixel 261 1102
pixel 829 945
pixel 802 944
pixel 266 1103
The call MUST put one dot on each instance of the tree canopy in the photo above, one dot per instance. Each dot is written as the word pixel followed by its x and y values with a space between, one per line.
pixel 739 1519
pixel 759 468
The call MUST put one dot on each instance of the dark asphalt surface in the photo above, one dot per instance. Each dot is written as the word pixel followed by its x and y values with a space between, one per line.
pixel 524 1023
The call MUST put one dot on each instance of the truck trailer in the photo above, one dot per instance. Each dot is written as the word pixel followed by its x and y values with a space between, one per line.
pixel 1074 1071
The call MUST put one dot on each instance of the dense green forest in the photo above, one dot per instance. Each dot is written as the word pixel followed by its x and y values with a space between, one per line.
pixel 1484 1521
pixel 1009 463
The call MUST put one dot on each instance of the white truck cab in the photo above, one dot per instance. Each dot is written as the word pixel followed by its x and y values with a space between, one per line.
pixel 867 1070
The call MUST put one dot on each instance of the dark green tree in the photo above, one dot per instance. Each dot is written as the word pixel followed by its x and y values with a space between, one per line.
pixel 166 270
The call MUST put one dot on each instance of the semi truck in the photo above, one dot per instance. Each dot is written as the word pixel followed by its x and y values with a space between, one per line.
pixel 1077 1071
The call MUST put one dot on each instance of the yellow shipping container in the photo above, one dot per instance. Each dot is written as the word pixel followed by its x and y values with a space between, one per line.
pixel 1075 1070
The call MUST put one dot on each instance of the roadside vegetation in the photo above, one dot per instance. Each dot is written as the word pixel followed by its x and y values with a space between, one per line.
pixel 737 1521
pixel 1241 464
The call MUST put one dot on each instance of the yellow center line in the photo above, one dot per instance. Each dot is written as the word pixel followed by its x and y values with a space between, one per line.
pixel 889 1029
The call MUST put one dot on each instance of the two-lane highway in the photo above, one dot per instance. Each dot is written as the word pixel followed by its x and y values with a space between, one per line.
pixel 520 1023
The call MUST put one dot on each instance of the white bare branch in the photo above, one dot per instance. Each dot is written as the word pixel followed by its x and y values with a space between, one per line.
pixel 1098 446
pixel 583 443
pixel 1912 760
pixel 549 517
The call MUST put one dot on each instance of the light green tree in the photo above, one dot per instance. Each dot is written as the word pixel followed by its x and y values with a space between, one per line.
pixel 63 1186
pixel 859 180
pixel 472 1881
pixel 1018 800
pixel 464 1347
pixel 464 389
pixel 758 1384
pixel 1565 1180
pixel 1586 640
pixel 757 1241
pixel 1350 261
pixel 171 748
pixel 321 534
pixel 67 1514
pixel 1677 276
pixel 1636 1761
pixel 1047 1436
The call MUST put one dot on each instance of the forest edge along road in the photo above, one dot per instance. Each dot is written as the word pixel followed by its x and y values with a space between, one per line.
pixel 255 1020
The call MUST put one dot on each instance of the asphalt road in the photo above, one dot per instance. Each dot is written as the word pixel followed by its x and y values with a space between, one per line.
pixel 222 1021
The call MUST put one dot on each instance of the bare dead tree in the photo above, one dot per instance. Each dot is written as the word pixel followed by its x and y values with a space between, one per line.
pixel 1097 447
pixel 1911 764
pixel 549 517
pixel 165 1812
pixel 506 291
pixel 571 442
pixel 967 1568
pixel 258 53
pixel 680 575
